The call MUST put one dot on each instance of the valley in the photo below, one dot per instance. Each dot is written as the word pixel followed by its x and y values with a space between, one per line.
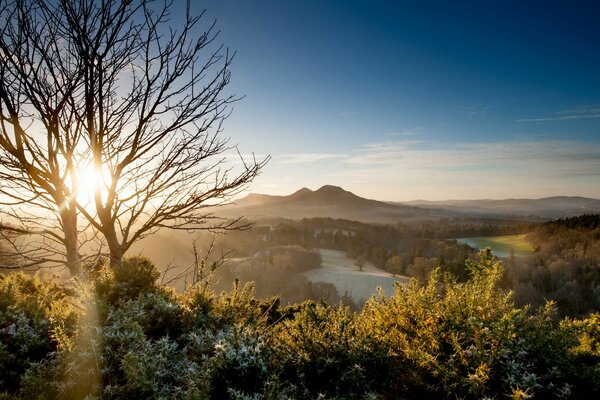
pixel 308 256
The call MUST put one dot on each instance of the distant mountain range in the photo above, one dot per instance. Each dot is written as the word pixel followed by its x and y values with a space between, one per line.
pixel 546 208
pixel 335 202
pixel 328 201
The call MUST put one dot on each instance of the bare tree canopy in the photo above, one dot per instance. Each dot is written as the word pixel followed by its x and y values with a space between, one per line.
pixel 111 125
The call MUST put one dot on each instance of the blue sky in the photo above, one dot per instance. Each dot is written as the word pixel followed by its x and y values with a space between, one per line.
pixel 402 100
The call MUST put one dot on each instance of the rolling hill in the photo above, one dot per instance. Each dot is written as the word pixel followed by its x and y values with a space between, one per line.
pixel 545 208
pixel 328 201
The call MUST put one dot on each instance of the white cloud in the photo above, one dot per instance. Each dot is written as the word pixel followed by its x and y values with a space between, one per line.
pixel 409 169
pixel 300 158
pixel 507 167
pixel 561 118
pixel 551 155
pixel 589 109
pixel 475 111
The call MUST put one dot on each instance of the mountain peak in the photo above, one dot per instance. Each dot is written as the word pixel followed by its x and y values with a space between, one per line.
pixel 330 189
pixel 301 191
pixel 328 201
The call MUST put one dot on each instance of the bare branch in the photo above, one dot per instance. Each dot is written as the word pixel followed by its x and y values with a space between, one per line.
pixel 115 85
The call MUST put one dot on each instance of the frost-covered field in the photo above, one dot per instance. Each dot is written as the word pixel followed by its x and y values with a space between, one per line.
pixel 342 272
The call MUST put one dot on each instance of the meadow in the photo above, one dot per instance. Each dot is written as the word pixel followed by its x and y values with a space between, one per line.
pixel 501 245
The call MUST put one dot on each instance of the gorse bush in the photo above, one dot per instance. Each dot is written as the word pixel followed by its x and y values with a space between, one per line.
pixel 37 318
pixel 468 339
pixel 435 339
pixel 139 339
pixel 324 351
pixel 124 281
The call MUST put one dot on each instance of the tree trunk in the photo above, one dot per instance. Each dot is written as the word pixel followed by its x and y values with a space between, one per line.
pixel 69 222
pixel 116 250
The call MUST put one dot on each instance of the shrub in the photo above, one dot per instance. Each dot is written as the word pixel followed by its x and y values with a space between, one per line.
pixel 469 340
pixel 584 360
pixel 125 281
pixel 232 358
pixel 323 351
pixel 437 339
pixel 37 319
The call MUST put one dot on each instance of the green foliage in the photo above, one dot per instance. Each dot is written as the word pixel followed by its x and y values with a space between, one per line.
pixel 124 281
pixel 324 351
pixel 436 339
pixel 584 359
pixel 37 318
pixel 564 269
pixel 232 358
pixel 469 340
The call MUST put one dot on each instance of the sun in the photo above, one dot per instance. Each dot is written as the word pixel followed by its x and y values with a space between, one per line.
pixel 89 180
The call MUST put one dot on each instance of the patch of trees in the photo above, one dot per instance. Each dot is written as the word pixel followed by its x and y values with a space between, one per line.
pixel 471 227
pixel 565 267
pixel 582 222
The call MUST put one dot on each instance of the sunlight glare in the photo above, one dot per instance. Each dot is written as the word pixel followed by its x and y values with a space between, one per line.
pixel 89 179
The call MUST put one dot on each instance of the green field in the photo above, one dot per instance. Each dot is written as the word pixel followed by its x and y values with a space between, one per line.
pixel 501 245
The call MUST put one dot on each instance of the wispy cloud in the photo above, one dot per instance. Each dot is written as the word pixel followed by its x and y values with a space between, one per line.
pixel 408 169
pixel 475 111
pixel 575 113
pixel 407 132
pixel 561 118
pixel 559 156
pixel 476 170
pixel 555 155
pixel 300 158
pixel 590 109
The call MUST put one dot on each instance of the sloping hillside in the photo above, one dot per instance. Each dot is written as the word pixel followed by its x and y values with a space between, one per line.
pixel 328 201
pixel 549 207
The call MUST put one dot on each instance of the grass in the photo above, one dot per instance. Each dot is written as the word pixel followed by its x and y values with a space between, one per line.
pixel 501 245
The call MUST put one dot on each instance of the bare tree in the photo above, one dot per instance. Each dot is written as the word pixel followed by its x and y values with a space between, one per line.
pixel 124 88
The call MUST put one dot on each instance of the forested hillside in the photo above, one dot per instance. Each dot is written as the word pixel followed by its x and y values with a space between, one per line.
pixel 565 267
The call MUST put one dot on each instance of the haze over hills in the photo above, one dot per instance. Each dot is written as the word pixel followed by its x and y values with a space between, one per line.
pixel 335 202
pixel 328 201
pixel 547 208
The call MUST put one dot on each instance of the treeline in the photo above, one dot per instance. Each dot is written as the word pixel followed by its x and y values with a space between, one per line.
pixel 582 222
pixel 122 335
pixel 471 227
pixel 565 267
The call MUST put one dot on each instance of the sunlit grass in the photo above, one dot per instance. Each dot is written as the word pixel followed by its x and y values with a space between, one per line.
pixel 501 245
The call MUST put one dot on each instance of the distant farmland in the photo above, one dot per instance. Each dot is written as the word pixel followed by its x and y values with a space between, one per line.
pixel 501 245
